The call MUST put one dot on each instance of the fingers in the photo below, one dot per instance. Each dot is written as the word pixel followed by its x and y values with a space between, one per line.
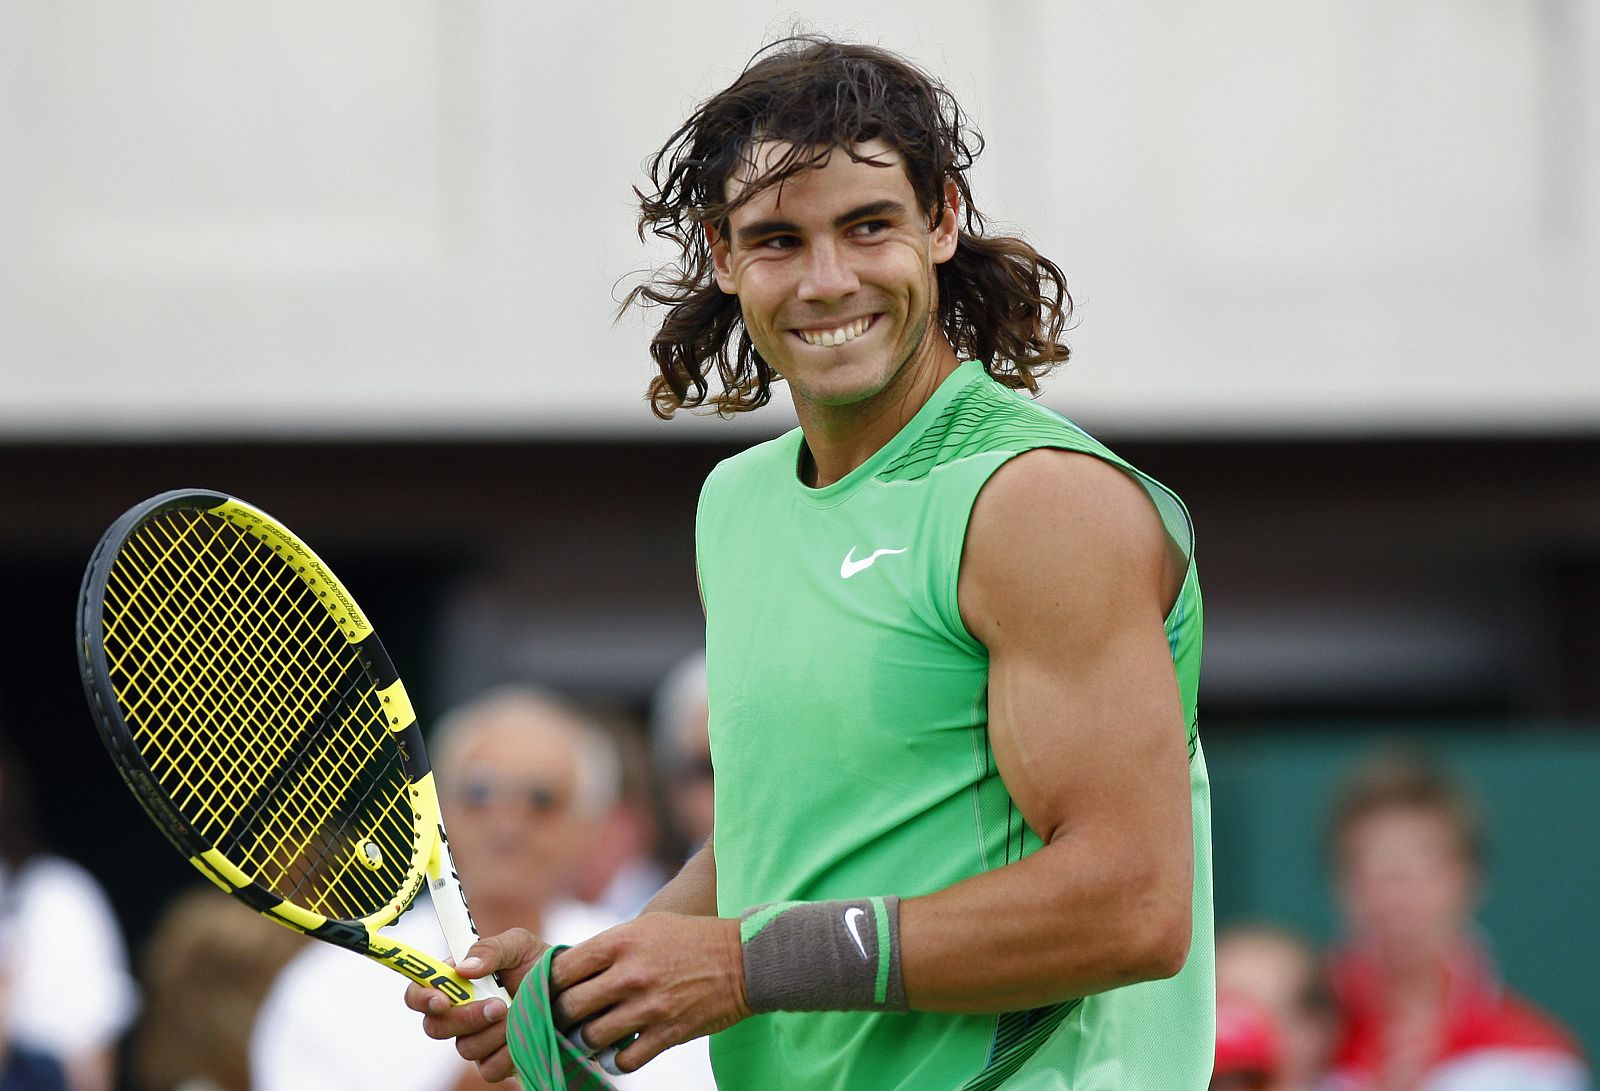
pixel 649 1045
pixel 479 1027
pixel 482 1044
pixel 645 986
pixel 497 1066
pixel 509 954
pixel 420 998
pixel 583 1000
pixel 580 963
pixel 447 1021
pixel 615 1028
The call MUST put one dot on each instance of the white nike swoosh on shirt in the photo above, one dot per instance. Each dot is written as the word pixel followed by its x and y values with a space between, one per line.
pixel 852 918
pixel 850 566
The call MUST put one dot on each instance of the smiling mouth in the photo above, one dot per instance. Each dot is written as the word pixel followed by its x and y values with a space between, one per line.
pixel 838 335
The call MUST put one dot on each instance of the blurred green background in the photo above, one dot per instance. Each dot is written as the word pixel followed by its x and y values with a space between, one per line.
pixel 1272 790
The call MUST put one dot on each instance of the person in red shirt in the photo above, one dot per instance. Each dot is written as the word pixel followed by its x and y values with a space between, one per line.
pixel 1249 1049
pixel 1285 974
pixel 1421 1005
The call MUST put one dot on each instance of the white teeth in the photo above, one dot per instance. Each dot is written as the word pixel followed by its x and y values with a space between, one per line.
pixel 830 338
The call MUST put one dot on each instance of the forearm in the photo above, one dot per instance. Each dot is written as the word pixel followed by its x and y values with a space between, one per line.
pixel 1073 918
pixel 693 891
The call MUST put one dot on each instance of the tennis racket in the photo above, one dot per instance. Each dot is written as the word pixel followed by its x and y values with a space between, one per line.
pixel 250 707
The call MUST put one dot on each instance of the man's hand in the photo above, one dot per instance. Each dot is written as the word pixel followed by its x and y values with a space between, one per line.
pixel 479 1028
pixel 665 977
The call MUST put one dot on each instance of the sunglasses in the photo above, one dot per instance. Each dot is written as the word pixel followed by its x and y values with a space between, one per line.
pixel 534 797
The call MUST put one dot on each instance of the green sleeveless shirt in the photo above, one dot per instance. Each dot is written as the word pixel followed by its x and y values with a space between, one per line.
pixel 849 736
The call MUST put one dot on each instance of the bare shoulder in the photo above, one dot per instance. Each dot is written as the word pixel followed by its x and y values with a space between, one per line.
pixel 1048 483
pixel 1063 529
pixel 1063 502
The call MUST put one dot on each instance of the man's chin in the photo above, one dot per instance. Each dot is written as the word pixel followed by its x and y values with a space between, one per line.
pixel 845 383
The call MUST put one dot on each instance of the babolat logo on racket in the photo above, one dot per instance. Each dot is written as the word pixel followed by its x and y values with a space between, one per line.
pixel 418 970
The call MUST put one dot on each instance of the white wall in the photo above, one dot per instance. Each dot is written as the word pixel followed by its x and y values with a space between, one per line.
pixel 405 218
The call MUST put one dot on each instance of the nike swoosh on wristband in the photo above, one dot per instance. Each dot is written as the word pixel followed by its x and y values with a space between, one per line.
pixel 852 918
pixel 850 566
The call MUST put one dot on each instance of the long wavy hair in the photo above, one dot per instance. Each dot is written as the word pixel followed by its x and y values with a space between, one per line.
pixel 1000 300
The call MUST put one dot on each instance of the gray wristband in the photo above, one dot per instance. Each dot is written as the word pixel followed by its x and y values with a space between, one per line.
pixel 823 956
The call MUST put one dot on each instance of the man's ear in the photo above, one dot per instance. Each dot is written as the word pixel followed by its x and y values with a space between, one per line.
pixel 947 228
pixel 721 260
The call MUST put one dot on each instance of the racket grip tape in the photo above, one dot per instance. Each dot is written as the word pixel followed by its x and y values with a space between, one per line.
pixel 606 1058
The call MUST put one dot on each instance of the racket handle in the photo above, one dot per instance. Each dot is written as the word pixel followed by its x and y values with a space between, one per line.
pixel 605 1058
pixel 450 906
pixel 488 988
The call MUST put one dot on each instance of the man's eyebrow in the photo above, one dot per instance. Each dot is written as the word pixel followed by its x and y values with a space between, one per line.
pixel 763 228
pixel 866 211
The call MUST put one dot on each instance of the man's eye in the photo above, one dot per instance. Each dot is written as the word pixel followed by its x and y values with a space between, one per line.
pixel 870 227
pixel 779 242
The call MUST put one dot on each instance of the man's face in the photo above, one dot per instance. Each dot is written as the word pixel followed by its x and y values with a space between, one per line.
pixel 1406 886
pixel 510 802
pixel 834 270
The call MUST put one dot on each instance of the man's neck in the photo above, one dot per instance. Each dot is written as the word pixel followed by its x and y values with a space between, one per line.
pixel 838 438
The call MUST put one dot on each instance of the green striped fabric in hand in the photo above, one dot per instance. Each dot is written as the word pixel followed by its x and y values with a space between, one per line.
pixel 545 1060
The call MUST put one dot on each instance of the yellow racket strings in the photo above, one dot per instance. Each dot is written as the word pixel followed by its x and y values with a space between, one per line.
pixel 256 716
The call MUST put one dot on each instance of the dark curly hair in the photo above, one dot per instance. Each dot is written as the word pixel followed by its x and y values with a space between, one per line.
pixel 1000 300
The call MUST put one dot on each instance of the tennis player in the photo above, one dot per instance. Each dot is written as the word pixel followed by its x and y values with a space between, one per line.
pixel 961 810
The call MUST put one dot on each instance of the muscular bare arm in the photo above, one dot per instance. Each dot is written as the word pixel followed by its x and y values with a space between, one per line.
pixel 693 891
pixel 1066 578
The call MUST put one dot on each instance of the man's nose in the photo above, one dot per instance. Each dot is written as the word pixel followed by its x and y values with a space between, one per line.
pixel 828 274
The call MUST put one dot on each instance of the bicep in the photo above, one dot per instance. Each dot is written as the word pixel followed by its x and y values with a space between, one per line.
pixel 1066 577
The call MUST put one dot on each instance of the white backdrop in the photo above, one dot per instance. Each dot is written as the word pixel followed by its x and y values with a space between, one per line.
pixel 385 218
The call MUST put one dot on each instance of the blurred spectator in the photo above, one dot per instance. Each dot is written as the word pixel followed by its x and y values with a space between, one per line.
pixel 1282 972
pixel 621 873
pixel 1249 1053
pixel 1421 1004
pixel 525 783
pixel 206 968
pixel 21 1068
pixel 60 910
pixel 681 745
